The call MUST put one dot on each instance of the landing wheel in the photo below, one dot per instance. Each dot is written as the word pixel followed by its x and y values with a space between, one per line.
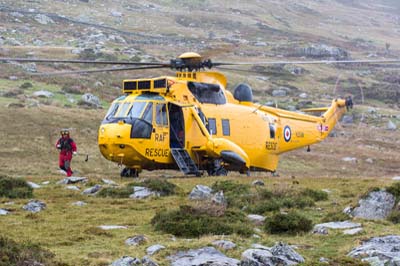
pixel 216 168
pixel 129 172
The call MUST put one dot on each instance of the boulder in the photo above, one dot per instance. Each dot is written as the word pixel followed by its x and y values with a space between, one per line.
pixel 136 240
pixel 112 227
pixel 92 190
pixel 72 187
pixel 142 193
pixel 43 19
pixel 4 212
pixel 126 261
pixel 256 219
pixel 72 180
pixel 90 100
pixel 224 244
pixel 377 205
pixel 337 225
pixel 258 183
pixel 219 198
pixel 280 254
pixel 200 192
pixel 383 250
pixel 43 94
pixel 396 178
pixel 146 261
pixel 353 231
pixel 35 206
pixel 349 159
pixel 207 256
pixel 391 126
pixel 279 93
pixel 33 185
pixel 154 249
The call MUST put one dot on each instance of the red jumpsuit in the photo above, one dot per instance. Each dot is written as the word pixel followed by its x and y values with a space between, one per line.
pixel 67 146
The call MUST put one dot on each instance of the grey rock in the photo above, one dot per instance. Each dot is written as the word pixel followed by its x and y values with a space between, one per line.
pixel 109 182
pixel 353 232
pixel 136 240
pixel 320 230
pixel 72 180
pixel 397 178
pixel 303 95
pixel 45 183
pixel 279 93
pixel 323 260
pixel 13 78
pixel 200 192
pixel 72 187
pixel 116 14
pixel 338 225
pixel 256 219
pixel 4 212
pixel 33 185
pixel 258 183
pixel 224 244
pixel 30 67
pixel 348 119
pixel 43 19
pixel 34 206
pixel 377 205
pixel 372 110
pixel 142 193
pixel 382 250
pixel 391 126
pixel 207 256
pixel 79 203
pixel 280 254
pixel 219 198
pixel 126 261
pixel 369 160
pixel 348 210
pixel 350 159
pixel 92 190
pixel 146 261
pixel 112 227
pixel 43 94
pixel 90 100
pixel 323 51
pixel 154 249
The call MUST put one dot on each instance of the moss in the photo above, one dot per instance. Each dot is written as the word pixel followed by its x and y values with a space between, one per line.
pixel 27 253
pixel 187 221
pixel 15 188
pixel 290 223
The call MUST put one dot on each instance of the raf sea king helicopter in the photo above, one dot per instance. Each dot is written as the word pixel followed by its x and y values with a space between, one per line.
pixel 191 122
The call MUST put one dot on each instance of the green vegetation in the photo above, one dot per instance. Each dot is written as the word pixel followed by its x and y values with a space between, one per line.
pixel 394 189
pixel 112 192
pixel 20 254
pixel 160 185
pixel 189 221
pixel 14 188
pixel 290 223
pixel 394 217
pixel 335 216
pixel 342 261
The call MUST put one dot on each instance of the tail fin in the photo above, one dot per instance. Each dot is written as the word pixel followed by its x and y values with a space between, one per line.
pixel 334 114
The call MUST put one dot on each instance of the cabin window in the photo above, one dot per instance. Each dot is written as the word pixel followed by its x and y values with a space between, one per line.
pixel 226 130
pixel 123 109
pixel 111 112
pixel 161 114
pixel 148 113
pixel 207 92
pixel 136 109
pixel 212 126
pixel 272 131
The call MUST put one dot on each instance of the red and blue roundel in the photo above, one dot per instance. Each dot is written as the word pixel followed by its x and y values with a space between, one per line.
pixel 287 133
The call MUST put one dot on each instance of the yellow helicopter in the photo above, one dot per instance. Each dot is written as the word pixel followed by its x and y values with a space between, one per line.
pixel 191 122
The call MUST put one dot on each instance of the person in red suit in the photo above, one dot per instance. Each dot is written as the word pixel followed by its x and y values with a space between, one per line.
pixel 67 148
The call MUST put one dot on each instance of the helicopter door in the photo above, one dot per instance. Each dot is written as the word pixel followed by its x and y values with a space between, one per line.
pixel 177 136
pixel 161 131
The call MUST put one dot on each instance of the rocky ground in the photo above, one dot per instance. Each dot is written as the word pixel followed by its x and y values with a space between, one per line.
pixel 353 166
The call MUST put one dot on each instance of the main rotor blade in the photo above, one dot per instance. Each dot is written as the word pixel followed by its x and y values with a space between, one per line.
pixel 382 61
pixel 39 60
pixel 95 70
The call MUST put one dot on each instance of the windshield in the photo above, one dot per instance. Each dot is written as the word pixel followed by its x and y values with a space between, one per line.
pixel 122 110
pixel 111 112
pixel 136 109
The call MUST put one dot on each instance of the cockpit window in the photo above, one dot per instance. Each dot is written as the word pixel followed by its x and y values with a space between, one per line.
pixel 161 114
pixel 207 92
pixel 148 113
pixel 136 109
pixel 112 111
pixel 122 110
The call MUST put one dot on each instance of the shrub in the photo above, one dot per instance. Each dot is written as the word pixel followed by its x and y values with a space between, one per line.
pixel 237 195
pixel 17 254
pixel 290 223
pixel 116 192
pixel 26 85
pixel 15 188
pixel 394 189
pixel 335 216
pixel 265 206
pixel 189 222
pixel 159 185
pixel 316 195
pixel 394 217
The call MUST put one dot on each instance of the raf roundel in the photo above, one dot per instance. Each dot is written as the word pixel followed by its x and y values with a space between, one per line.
pixel 287 133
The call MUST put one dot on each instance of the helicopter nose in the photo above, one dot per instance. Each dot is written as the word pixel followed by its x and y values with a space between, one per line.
pixel 113 139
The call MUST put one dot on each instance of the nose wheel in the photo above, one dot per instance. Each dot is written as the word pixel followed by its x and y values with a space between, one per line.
pixel 130 172
pixel 216 168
